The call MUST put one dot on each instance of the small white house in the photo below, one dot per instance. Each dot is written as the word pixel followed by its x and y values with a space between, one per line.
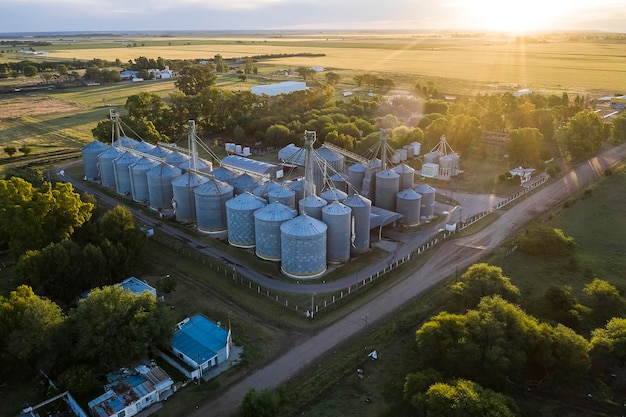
pixel 130 391
pixel 430 170
pixel 524 173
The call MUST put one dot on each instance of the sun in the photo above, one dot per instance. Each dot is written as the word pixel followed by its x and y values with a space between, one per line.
pixel 512 15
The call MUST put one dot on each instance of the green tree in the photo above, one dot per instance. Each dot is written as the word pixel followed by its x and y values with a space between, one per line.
pixel 544 240
pixel 305 73
pixel 610 340
pixel 619 128
pixel 332 78
pixel 26 150
pixel 248 66
pixel 113 326
pixel 563 307
pixel 30 71
pixel 10 150
pixel 258 404
pixel 524 145
pixel 220 64
pixel 192 78
pixel 583 134
pixel 483 280
pixel 62 69
pixel 277 135
pixel 605 300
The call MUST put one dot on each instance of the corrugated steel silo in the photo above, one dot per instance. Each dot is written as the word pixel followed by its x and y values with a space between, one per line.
pixel 303 247
pixel 121 167
pixel 282 194
pixel 340 182
pixel 240 218
pixel 409 151
pixel 105 161
pixel 184 200
pixel 338 218
pixel 159 152
pixel 267 221
pixel 409 204
pixel 90 159
pixel 356 173
pixel 431 157
pixel 126 142
pixel 160 185
pixel 243 183
pixel 201 165
pixel 223 174
pixel 263 189
pixel 211 198
pixel 402 154
pixel 407 175
pixel 417 148
pixel 298 187
pixel 312 206
pixel 143 147
pixel 387 186
pixel 139 179
pixel 176 158
pixel 428 200
pixel 321 173
pixel 333 194
pixel 361 210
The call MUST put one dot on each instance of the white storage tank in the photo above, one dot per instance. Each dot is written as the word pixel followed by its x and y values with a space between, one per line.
pixel 409 204
pixel 121 168
pixel 395 157
pixel 407 175
pixel 361 210
pixel 267 221
pixel 409 151
pixel 184 200
pixel 312 206
pixel 387 186
pixel 160 185
pixel 431 157
pixel 139 179
pixel 338 218
pixel 223 174
pixel 282 194
pixel 428 200
pixel 403 154
pixel 430 170
pixel 105 162
pixel 356 173
pixel 90 159
pixel 243 183
pixel 211 198
pixel 240 218
pixel 417 148
pixel 303 247
pixel 333 194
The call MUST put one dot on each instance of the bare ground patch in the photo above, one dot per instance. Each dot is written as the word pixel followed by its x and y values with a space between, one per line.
pixel 32 105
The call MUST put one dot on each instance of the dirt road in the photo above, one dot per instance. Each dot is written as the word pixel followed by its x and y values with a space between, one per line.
pixel 449 257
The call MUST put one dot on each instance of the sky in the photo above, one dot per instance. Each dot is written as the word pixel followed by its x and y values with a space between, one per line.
pixel 203 15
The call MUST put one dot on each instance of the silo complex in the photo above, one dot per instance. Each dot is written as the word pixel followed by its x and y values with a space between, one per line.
pixel 143 147
pixel 267 221
pixel 176 158
pixel 408 203
pixel 223 174
pixel 387 186
pixel 90 159
pixel 356 173
pixel 311 205
pixel 407 175
pixel 361 210
pixel 240 218
pixel 184 200
pixel 160 185
pixel 282 194
pixel 338 218
pixel 332 194
pixel 200 165
pixel 159 152
pixel 263 189
pixel 121 167
pixel 428 200
pixel 303 247
pixel 139 179
pixel 105 161
pixel 340 182
pixel 243 183
pixel 211 198
pixel 325 164
pixel 126 142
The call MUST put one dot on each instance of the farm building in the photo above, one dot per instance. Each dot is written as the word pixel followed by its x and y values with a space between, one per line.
pixel 280 88
pixel 130 391
pixel 137 286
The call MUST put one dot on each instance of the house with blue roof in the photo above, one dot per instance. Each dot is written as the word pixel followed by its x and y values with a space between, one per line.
pixel 201 345
pixel 137 286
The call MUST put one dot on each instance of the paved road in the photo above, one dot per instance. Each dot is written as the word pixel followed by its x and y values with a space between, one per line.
pixel 450 256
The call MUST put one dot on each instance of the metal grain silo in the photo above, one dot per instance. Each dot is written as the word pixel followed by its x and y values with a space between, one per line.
pixel 338 218
pixel 267 221
pixel 90 159
pixel 200 165
pixel 284 195
pixel 159 152
pixel 121 169
pixel 402 154
pixel 298 187
pixel 240 218
pixel 303 247
pixel 311 205
pixel 431 157
pixel 126 142
pixel 105 161
pixel 406 175
pixel 243 183
pixel 211 198
pixel 356 173
pixel 184 200
pixel 409 204
pixel 223 174
pixel 160 185
pixel 332 194
pixel 139 178
pixel 263 189
pixel 340 182
pixel 361 210
pixel 175 158
pixel 409 151
pixel 428 200
pixel 143 147
pixel 417 148
pixel 387 186
pixel 321 173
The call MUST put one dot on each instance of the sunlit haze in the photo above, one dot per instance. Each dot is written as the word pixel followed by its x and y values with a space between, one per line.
pixel 202 15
